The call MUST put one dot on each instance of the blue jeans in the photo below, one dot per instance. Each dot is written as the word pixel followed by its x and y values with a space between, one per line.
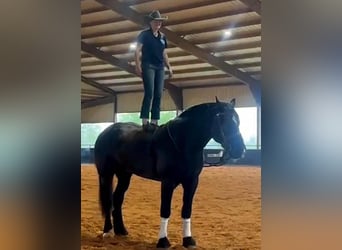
pixel 153 79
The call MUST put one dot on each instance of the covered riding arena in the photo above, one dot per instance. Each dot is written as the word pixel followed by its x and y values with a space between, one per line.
pixel 226 211
pixel 214 50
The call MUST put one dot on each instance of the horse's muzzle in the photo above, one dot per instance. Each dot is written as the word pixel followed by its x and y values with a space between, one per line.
pixel 236 153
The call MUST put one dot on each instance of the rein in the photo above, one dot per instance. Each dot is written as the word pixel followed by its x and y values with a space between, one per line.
pixel 172 139
pixel 222 159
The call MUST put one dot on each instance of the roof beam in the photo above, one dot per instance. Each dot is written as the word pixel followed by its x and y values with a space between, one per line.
pixel 138 18
pixel 100 22
pixel 170 10
pixel 180 71
pixel 98 101
pixel 174 79
pixel 132 36
pixel 98 85
pixel 236 36
pixel 175 63
pixel 92 92
pixel 204 17
pixel 219 27
pixel 93 10
pixel 125 66
pixel 214 85
pixel 102 8
pixel 90 49
pixel 225 14
pixel 105 70
pixel 253 4
pixel 222 48
pixel 193 87
pixel 189 19
pixel 161 9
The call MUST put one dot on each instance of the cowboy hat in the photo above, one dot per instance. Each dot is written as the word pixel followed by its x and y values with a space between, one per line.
pixel 155 15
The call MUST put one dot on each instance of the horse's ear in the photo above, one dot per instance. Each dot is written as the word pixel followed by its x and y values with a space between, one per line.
pixel 232 102
pixel 217 100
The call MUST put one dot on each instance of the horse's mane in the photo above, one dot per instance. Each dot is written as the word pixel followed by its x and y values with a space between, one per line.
pixel 199 110
pixel 196 110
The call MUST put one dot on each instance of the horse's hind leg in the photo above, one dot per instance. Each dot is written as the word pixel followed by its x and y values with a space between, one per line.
pixel 118 198
pixel 106 181
pixel 106 174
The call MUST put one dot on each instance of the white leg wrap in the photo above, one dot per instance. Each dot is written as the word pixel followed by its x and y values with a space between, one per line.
pixel 186 227
pixel 108 234
pixel 163 227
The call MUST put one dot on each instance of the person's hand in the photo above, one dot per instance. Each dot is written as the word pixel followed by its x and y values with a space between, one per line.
pixel 170 73
pixel 138 70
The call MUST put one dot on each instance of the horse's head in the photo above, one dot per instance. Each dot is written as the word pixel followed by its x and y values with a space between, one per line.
pixel 225 130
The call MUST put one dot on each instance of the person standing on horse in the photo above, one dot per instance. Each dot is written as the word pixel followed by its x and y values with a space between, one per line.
pixel 151 44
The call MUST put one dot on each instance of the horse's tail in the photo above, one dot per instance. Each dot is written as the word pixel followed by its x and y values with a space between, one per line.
pixel 105 170
pixel 105 193
pixel 105 182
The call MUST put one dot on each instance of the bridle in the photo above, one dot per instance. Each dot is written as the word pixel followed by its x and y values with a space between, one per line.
pixel 223 158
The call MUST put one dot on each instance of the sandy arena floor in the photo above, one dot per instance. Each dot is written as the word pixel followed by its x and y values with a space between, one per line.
pixel 226 212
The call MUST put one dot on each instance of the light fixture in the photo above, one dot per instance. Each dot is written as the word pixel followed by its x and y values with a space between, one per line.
pixel 227 33
pixel 133 45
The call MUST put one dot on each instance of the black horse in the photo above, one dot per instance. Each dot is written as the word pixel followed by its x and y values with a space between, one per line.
pixel 173 155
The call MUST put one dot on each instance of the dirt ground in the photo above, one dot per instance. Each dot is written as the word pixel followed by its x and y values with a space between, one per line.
pixel 226 212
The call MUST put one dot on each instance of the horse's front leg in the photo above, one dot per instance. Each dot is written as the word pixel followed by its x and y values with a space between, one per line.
pixel 189 189
pixel 167 188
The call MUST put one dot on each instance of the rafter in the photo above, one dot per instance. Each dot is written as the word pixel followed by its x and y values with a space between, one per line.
pixel 189 19
pixel 221 27
pixel 123 65
pixel 132 36
pixel 173 80
pixel 93 10
pixel 179 71
pixel 93 92
pixel 90 49
pixel 102 8
pixel 176 63
pixel 180 63
pixel 195 86
pixel 100 22
pixel 138 18
pixel 97 85
pixel 137 28
pixel 164 10
pixel 226 47
pixel 253 4
pixel 240 35
pixel 225 13
pixel 105 70
pixel 97 101
pixel 187 6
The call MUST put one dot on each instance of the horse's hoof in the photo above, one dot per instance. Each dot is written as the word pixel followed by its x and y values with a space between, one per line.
pixel 121 232
pixel 163 243
pixel 107 234
pixel 189 242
